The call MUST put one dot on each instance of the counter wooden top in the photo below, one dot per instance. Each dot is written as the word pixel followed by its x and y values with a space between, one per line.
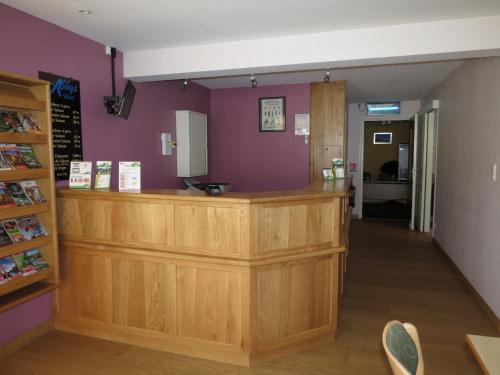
pixel 338 188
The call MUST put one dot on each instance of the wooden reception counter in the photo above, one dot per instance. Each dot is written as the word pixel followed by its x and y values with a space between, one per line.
pixel 236 278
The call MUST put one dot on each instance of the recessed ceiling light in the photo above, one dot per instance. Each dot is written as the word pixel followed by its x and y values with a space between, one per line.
pixel 84 11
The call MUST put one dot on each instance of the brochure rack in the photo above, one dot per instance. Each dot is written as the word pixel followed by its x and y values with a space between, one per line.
pixel 31 95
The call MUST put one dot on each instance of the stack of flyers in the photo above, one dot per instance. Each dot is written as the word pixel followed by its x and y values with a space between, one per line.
pixel 13 231
pixel 17 194
pixel 13 156
pixel 5 199
pixel 33 191
pixel 103 175
pixel 80 174
pixel 23 265
pixel 29 123
pixel 4 237
pixel 35 258
pixel 9 268
pixel 31 227
pixel 10 122
pixel 28 156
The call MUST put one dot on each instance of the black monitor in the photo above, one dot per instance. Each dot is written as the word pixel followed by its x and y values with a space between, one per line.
pixel 126 100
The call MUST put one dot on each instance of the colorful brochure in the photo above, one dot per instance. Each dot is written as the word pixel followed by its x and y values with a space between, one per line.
pixel 129 175
pixel 30 124
pixel 4 237
pixel 32 191
pixel 13 156
pixel 103 175
pixel 17 194
pixel 13 231
pixel 80 174
pixel 23 265
pixel 35 258
pixel 28 156
pixel 5 199
pixel 9 268
pixel 10 122
pixel 31 227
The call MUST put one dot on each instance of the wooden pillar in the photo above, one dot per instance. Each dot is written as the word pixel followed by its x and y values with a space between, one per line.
pixel 328 126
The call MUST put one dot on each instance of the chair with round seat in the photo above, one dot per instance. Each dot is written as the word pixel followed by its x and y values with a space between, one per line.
pixel 402 346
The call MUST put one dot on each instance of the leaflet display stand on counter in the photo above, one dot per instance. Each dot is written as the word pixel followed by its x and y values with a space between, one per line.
pixel 28 99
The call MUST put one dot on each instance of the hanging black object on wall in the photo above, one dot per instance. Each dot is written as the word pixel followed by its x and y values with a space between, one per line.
pixel 119 105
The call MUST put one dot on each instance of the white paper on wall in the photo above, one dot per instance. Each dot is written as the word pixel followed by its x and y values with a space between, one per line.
pixel 302 124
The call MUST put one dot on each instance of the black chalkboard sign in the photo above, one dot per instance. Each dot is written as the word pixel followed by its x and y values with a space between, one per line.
pixel 66 122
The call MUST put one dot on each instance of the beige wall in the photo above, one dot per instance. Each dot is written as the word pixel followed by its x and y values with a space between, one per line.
pixel 467 201
pixel 375 155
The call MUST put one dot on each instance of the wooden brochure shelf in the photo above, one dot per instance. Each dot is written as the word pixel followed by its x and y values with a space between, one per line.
pixel 24 281
pixel 25 245
pixel 23 94
pixel 25 294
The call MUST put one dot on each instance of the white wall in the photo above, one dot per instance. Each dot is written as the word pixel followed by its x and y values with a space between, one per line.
pixel 356 119
pixel 391 44
pixel 467 201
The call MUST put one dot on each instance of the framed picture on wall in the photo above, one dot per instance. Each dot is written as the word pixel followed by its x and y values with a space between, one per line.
pixel 272 114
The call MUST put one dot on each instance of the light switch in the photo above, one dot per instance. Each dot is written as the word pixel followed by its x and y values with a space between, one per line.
pixel 494 172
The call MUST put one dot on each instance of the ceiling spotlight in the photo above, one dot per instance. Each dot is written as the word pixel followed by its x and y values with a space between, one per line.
pixel 84 11
pixel 253 81
pixel 326 78
pixel 184 84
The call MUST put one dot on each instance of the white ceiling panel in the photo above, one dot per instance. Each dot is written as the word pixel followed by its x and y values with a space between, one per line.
pixel 151 24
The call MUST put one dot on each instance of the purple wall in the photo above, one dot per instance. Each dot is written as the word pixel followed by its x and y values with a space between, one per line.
pixel 251 160
pixel 24 317
pixel 31 45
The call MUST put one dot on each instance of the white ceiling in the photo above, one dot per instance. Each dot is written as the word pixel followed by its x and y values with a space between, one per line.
pixel 388 82
pixel 151 24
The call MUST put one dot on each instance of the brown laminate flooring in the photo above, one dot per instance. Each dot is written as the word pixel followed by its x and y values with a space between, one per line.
pixel 392 274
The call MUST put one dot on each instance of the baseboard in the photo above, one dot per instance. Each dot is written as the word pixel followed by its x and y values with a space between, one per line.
pixel 482 303
pixel 26 338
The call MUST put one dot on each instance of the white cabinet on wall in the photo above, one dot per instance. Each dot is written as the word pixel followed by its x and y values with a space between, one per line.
pixel 191 128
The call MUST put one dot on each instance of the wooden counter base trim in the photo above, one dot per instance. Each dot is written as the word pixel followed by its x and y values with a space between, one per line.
pixel 306 344
pixel 277 344
pixel 106 249
pixel 26 338
pixel 495 320
pixel 154 340
pixel 193 347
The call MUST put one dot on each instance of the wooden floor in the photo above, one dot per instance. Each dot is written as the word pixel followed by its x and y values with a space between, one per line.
pixel 393 274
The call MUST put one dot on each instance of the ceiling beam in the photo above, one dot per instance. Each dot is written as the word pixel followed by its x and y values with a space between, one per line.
pixel 418 42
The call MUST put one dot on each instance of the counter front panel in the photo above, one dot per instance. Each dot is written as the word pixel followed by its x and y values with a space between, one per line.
pixel 232 280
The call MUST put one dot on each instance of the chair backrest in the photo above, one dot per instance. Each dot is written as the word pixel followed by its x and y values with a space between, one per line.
pixel 402 346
